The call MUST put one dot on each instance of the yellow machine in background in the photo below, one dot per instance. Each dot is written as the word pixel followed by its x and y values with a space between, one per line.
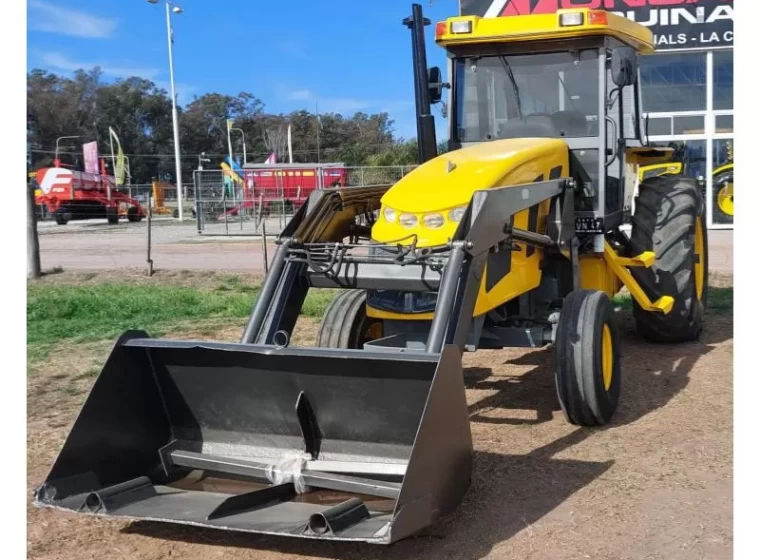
pixel 159 198
pixel 723 186
pixel 723 183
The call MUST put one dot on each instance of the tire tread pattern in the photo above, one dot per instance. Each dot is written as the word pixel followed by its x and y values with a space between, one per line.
pixel 667 209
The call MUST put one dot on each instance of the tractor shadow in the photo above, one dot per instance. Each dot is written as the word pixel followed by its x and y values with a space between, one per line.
pixel 652 375
pixel 508 492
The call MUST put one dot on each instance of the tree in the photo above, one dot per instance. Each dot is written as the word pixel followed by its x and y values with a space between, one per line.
pixel 398 154
pixel 140 112
pixel 276 139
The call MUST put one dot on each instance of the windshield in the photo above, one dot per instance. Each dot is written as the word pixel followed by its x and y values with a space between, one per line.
pixel 546 95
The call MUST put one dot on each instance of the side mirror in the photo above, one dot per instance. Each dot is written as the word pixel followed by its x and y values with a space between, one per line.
pixel 623 66
pixel 435 84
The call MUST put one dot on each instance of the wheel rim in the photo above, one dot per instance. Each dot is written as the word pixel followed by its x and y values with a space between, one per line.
pixel 699 264
pixel 607 357
pixel 726 199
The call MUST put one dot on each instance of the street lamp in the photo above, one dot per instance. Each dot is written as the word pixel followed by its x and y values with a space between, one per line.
pixel 173 8
pixel 56 161
pixel 245 157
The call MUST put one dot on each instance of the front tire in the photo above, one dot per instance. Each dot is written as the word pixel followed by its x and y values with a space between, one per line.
pixel 670 220
pixel 345 324
pixel 587 350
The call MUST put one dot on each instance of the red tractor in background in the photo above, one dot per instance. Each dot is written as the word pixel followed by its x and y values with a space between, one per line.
pixel 74 195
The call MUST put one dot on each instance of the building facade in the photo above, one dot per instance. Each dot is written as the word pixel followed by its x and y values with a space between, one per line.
pixel 687 85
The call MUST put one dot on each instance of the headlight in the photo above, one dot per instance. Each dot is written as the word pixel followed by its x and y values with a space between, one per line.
pixel 408 220
pixel 433 221
pixel 389 214
pixel 457 214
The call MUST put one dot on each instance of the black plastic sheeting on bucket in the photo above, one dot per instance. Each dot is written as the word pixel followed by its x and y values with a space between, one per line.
pixel 183 431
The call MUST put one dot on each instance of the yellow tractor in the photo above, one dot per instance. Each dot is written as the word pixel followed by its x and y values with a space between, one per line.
pixel 512 238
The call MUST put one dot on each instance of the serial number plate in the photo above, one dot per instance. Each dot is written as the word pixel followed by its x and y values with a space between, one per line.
pixel 589 225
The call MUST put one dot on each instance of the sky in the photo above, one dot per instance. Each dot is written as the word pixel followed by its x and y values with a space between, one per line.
pixel 342 55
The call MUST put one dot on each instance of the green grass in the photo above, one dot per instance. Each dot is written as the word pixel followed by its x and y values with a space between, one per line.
pixel 317 301
pixel 100 312
pixel 103 311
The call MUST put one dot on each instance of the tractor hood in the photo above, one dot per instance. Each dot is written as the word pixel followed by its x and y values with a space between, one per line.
pixel 449 181
pixel 451 178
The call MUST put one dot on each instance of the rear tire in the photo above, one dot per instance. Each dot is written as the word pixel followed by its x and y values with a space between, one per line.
pixel 670 221
pixel 112 214
pixel 587 348
pixel 345 324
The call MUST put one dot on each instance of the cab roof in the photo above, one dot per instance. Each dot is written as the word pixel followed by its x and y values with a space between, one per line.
pixel 564 24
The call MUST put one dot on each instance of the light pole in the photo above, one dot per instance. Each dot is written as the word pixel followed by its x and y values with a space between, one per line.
pixel 56 161
pixel 173 8
pixel 245 156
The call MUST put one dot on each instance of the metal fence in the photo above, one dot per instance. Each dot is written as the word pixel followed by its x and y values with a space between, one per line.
pixel 95 243
pixel 266 200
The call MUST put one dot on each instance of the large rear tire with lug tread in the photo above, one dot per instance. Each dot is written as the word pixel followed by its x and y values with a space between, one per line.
pixel 670 220
pixel 345 324
pixel 587 351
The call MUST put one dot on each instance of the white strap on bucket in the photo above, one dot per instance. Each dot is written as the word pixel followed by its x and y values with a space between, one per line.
pixel 288 469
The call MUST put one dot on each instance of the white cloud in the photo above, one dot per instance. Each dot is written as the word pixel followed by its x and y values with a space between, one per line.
pixel 299 95
pixel 62 62
pixel 50 18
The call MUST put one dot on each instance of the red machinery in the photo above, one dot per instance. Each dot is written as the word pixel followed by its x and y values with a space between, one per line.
pixel 286 185
pixel 293 184
pixel 74 195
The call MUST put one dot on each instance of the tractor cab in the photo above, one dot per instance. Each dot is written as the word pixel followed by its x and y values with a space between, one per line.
pixel 573 76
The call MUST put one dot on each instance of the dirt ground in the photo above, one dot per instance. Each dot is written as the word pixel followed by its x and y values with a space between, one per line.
pixel 656 484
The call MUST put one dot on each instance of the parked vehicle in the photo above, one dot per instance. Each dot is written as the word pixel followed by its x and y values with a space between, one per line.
pixel 73 195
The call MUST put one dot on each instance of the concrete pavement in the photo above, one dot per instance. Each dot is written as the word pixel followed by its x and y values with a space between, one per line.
pixel 94 245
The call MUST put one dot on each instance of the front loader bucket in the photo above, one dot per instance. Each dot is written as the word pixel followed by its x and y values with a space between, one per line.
pixel 314 443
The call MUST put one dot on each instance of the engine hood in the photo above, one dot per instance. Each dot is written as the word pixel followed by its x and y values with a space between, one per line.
pixel 451 179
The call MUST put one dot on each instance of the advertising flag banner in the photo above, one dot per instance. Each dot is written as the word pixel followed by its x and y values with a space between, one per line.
pixel 120 171
pixel 91 158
